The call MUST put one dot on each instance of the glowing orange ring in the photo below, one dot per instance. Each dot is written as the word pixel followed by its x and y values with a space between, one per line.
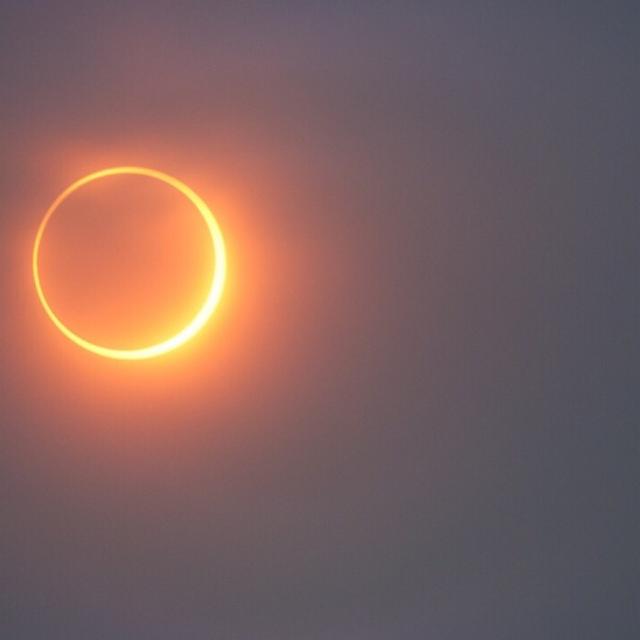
pixel 217 282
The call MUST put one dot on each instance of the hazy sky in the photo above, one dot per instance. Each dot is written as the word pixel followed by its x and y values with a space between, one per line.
pixel 415 415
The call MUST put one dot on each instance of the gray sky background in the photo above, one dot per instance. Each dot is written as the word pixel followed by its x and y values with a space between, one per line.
pixel 418 417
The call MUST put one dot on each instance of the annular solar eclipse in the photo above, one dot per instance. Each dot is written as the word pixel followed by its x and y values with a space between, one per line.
pixel 203 314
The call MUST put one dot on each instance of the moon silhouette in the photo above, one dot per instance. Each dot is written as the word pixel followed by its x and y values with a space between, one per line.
pixel 205 311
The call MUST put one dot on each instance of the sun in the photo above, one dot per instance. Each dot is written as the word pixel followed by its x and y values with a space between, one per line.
pixel 217 279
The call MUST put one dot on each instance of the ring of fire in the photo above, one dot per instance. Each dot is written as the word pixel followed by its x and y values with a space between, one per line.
pixel 200 318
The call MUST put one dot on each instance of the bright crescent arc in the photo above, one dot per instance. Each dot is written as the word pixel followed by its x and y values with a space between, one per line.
pixel 217 282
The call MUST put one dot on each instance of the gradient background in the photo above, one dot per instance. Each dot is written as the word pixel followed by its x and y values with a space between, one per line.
pixel 415 414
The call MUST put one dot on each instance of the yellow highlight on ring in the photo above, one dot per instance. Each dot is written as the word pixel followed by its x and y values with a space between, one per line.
pixel 217 282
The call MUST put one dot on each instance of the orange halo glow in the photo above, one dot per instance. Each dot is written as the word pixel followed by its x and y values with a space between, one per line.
pixel 201 317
